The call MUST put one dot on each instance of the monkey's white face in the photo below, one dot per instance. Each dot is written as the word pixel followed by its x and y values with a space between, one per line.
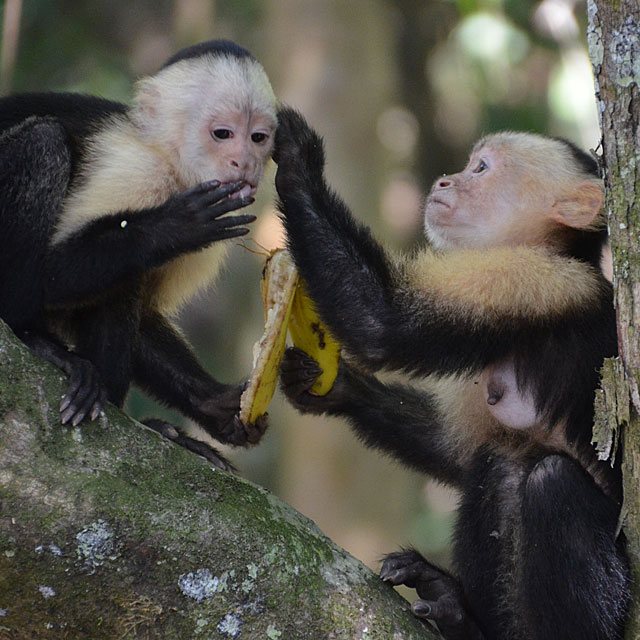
pixel 486 204
pixel 230 145
pixel 213 117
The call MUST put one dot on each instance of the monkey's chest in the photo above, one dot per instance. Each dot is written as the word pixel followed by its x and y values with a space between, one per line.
pixel 177 282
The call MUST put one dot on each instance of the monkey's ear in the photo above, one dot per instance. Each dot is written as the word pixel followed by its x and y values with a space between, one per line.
pixel 147 99
pixel 579 208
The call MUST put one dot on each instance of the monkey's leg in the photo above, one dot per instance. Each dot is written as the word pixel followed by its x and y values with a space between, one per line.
pixel 105 333
pixel 165 367
pixel 441 595
pixel 575 578
pixel 397 419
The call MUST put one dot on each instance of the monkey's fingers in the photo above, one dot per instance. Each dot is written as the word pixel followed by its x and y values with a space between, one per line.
pixel 292 135
pixel 409 567
pixel 224 228
pixel 256 430
pixel 401 573
pixel 299 153
pixel 298 372
pixel 450 614
pixel 225 206
pixel 208 193
pixel 196 446
pixel 86 394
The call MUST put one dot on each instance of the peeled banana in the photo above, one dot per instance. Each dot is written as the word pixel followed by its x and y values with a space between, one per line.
pixel 286 307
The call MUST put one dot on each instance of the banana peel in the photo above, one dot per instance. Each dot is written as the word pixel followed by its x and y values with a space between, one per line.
pixel 287 307
pixel 309 334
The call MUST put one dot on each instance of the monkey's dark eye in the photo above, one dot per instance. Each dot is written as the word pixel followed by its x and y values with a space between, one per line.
pixel 259 138
pixel 221 134
pixel 480 167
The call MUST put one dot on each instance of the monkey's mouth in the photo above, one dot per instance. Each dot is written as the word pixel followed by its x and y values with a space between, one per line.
pixel 432 200
pixel 245 191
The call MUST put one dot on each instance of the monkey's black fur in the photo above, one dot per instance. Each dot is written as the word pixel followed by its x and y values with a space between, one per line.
pixel 85 290
pixel 213 47
pixel 536 550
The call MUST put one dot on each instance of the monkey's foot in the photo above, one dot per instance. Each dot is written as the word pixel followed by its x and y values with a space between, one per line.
pixel 441 596
pixel 197 446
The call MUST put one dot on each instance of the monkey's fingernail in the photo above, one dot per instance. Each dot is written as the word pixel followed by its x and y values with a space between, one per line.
pixel 68 414
pixel 78 419
pixel 95 413
pixel 389 575
pixel 421 608
pixel 66 401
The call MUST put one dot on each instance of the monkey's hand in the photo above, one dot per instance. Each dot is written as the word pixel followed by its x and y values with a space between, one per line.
pixel 441 595
pixel 298 372
pixel 299 154
pixel 86 395
pixel 191 220
pixel 219 416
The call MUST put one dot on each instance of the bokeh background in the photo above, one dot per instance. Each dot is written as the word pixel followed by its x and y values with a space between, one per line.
pixel 399 89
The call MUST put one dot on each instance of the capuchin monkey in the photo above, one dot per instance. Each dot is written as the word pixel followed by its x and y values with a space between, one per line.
pixel 113 218
pixel 505 323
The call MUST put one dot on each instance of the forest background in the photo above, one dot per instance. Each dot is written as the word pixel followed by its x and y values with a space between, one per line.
pixel 399 89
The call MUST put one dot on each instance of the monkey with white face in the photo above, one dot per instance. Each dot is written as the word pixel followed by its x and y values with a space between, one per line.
pixel 113 217
pixel 503 327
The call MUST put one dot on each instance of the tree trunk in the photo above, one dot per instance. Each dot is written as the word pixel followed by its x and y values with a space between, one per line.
pixel 108 531
pixel 614 47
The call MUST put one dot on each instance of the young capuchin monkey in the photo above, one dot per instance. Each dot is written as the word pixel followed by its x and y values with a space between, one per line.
pixel 506 321
pixel 113 217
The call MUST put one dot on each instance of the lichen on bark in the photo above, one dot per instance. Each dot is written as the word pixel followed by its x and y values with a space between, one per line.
pixel 108 530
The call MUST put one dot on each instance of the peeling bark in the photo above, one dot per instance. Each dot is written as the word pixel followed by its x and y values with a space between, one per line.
pixel 614 47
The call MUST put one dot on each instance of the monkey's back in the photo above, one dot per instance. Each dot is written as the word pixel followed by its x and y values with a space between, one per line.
pixel 80 115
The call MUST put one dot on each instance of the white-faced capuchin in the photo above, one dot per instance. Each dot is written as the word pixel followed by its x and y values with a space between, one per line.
pixel 508 319
pixel 113 217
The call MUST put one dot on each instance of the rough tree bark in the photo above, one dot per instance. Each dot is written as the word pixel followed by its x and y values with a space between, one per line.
pixel 614 48
pixel 108 531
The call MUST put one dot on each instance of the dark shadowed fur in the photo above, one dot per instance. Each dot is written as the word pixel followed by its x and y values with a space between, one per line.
pixel 536 552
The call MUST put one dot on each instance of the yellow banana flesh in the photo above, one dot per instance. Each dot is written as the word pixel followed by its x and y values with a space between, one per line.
pixel 286 306
pixel 313 337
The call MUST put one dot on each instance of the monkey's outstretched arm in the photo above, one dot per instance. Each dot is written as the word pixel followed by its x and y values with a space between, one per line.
pixel 450 313
pixel 164 366
pixel 396 419
pixel 118 246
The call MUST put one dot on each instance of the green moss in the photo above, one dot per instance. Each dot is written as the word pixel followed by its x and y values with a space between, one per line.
pixel 103 524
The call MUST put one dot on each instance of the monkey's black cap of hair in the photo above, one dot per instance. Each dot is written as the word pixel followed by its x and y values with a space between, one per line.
pixel 214 47
pixel 584 160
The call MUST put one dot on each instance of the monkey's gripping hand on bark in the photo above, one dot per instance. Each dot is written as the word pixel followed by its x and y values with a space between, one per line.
pixel 441 596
